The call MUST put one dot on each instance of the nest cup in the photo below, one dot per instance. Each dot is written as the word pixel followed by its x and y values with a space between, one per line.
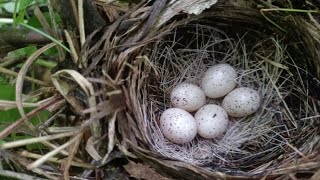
pixel 262 64
pixel 279 59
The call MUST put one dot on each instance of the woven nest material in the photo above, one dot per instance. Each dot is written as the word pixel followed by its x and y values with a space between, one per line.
pixel 276 53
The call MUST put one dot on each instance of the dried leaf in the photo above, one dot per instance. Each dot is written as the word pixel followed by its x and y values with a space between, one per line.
pixel 175 7
pixel 92 150
pixel 142 171
pixel 198 7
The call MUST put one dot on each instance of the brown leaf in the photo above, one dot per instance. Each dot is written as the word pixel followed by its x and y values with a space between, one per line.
pixel 142 171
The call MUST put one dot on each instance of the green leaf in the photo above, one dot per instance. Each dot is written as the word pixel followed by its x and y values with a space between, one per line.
pixel 45 63
pixel 47 36
pixel 51 52
pixel 34 21
pixel 3 81
pixel 23 4
pixel 20 10
pixel 8 116
pixel 7 92
pixel 20 17
pixel 26 51
pixel 2 142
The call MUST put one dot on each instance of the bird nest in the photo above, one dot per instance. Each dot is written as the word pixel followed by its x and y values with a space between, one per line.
pixel 274 52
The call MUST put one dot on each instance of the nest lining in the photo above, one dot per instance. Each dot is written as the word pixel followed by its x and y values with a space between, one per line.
pixel 249 142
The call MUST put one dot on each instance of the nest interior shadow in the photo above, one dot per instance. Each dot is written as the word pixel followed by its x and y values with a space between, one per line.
pixel 275 53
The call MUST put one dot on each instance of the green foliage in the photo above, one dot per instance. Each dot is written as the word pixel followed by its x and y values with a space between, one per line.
pixel 26 51
pixel 11 115
pixel 29 50
pixel 47 36
pixel 19 9
pixel 34 21
pixel 7 178
pixel 3 81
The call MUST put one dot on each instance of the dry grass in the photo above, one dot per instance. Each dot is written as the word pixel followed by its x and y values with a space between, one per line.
pixel 249 142
pixel 110 108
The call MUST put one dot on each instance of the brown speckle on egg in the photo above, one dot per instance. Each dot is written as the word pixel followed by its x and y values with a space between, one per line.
pixel 178 125
pixel 241 102
pixel 188 97
pixel 212 121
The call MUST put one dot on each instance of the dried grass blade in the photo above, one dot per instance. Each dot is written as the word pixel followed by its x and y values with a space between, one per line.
pixel 44 23
pixel 56 160
pixel 30 79
pixel 74 10
pixel 4 133
pixel 6 105
pixel 16 175
pixel 91 150
pixel 43 159
pixel 23 72
pixel 72 151
pixel 111 136
pixel 87 87
pixel 56 31
pixel 73 52
pixel 24 142
pixel 316 176
pixel 44 173
pixel 81 22
pixel 63 152
pixel 295 168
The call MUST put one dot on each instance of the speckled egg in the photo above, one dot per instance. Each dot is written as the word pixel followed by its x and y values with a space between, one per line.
pixel 178 125
pixel 212 121
pixel 241 102
pixel 219 80
pixel 188 97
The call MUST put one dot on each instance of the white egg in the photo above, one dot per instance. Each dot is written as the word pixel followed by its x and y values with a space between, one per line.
pixel 178 125
pixel 241 102
pixel 212 121
pixel 219 80
pixel 188 97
